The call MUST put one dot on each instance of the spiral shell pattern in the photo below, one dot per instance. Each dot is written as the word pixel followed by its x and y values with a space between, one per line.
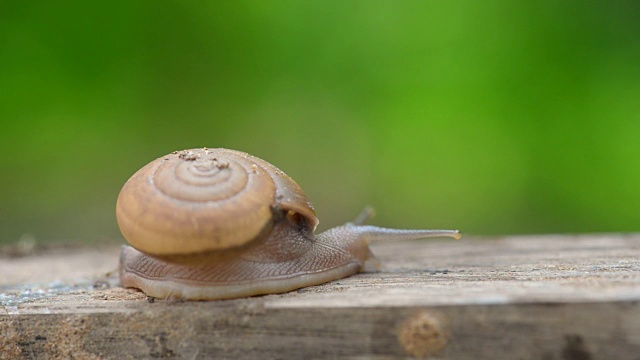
pixel 201 200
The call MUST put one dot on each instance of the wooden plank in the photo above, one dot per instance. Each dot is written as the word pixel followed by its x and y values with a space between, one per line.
pixel 537 297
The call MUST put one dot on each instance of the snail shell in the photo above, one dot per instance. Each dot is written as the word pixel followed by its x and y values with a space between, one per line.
pixel 218 223
pixel 205 199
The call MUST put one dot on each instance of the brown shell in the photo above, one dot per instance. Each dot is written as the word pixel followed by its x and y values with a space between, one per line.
pixel 200 200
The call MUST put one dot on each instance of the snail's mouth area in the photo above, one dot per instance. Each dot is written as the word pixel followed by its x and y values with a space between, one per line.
pixel 178 281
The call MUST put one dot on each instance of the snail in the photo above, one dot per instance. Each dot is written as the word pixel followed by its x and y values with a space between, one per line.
pixel 208 224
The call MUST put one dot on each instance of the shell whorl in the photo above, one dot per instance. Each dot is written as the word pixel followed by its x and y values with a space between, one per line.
pixel 201 200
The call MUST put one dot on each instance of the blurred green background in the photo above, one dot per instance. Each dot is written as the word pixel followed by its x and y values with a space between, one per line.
pixel 494 117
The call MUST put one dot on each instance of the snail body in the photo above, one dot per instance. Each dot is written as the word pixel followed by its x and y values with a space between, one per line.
pixel 209 224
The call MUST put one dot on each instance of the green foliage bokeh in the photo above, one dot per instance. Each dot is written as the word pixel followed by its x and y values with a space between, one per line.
pixel 493 117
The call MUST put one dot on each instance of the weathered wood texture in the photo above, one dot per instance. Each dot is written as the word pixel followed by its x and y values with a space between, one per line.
pixel 544 297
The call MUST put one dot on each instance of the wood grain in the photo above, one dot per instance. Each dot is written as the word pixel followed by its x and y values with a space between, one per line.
pixel 534 297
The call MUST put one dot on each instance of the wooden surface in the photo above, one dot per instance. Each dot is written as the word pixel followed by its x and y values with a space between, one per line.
pixel 544 297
